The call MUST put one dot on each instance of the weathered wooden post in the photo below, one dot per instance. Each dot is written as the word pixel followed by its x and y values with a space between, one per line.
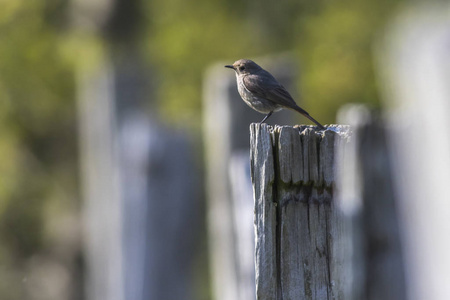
pixel 326 218
pixel 296 223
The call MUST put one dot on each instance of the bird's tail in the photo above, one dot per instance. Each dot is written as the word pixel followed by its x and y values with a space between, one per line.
pixel 305 113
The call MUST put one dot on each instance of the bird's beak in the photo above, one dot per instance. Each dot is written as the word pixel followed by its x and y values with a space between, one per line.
pixel 229 66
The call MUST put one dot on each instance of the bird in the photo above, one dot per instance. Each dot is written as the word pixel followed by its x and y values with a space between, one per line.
pixel 262 92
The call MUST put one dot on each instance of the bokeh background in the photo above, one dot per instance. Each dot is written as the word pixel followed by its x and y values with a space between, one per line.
pixel 47 44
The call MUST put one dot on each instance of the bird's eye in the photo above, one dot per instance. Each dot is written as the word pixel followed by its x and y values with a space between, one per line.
pixel 241 68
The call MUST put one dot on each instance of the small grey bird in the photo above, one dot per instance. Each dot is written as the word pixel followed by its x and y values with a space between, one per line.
pixel 262 92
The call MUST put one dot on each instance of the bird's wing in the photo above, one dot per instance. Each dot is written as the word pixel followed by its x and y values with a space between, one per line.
pixel 265 86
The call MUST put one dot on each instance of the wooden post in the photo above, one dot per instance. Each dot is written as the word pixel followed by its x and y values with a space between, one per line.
pixel 369 203
pixel 413 58
pixel 296 223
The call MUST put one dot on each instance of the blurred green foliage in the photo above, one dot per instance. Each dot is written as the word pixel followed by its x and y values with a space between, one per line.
pixel 336 54
pixel 37 130
pixel 332 40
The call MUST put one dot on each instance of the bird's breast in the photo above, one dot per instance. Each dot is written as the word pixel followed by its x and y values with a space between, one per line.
pixel 259 104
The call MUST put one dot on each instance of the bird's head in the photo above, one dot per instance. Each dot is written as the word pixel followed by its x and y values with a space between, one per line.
pixel 244 66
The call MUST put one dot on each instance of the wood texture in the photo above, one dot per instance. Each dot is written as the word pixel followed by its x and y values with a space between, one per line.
pixel 265 211
pixel 293 182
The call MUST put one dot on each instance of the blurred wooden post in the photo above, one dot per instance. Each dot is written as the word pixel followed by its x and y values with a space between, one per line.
pixel 296 222
pixel 229 194
pixel 100 183
pixel 139 178
pixel 414 59
pixel 368 201
pixel 134 171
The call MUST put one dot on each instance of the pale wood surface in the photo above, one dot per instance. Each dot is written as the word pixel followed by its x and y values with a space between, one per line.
pixel 263 175
pixel 293 182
